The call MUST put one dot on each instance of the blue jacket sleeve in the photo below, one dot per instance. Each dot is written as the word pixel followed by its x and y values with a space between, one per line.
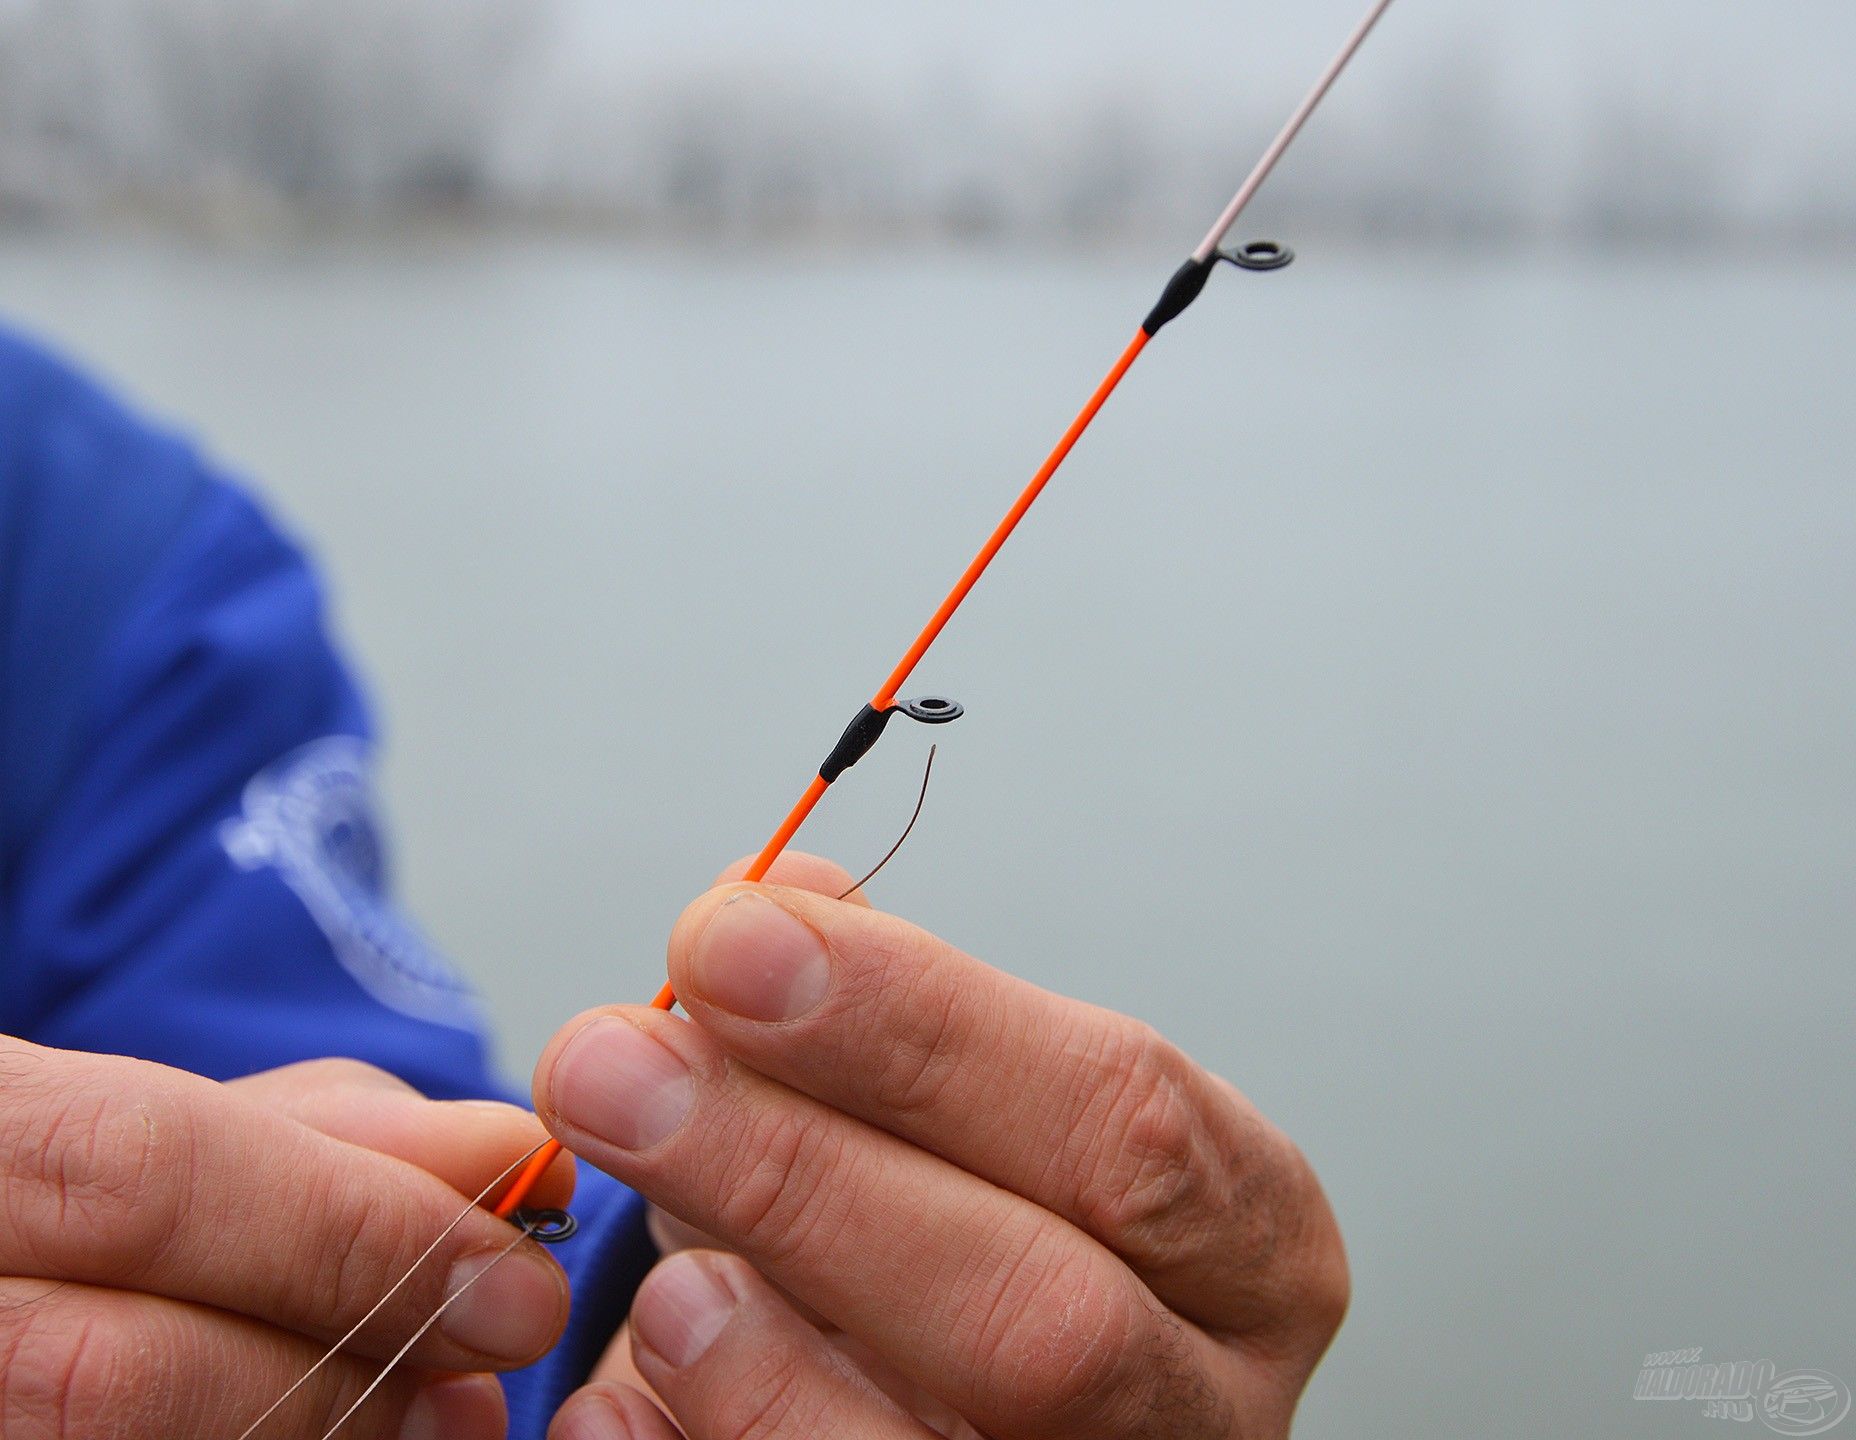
pixel 193 869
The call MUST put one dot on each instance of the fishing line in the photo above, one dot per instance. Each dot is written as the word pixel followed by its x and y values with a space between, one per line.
pixel 530 1226
pixel 398 1285
pixel 867 726
pixel 1261 172
pixel 1180 291
pixel 891 853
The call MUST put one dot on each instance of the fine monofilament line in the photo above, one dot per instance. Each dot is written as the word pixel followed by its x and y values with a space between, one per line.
pixel 399 1285
pixel 529 1228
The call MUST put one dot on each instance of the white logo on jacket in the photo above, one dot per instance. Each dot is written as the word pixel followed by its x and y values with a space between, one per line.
pixel 310 816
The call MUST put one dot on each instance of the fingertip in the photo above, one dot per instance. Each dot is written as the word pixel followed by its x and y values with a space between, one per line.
pixel 464 1143
pixel 683 1306
pixel 541 1083
pixel 755 957
pixel 457 1407
pixel 624 1076
pixel 806 877
pixel 737 870
pixel 610 1412
pixel 511 1135
pixel 300 1088
pixel 800 871
pixel 559 1182
pixel 508 1308
pixel 694 920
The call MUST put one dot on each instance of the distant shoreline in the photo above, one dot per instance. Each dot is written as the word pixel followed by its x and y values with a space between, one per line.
pixel 267 221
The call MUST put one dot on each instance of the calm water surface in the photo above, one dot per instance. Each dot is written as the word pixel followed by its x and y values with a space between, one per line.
pixel 1427 696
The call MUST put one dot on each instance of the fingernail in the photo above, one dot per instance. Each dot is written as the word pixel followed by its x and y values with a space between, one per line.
pixel 759 961
pixel 463 1407
pixel 680 1310
pixel 512 1312
pixel 616 1082
pixel 590 1418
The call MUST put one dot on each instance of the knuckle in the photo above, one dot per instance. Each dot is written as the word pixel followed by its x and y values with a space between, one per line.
pixel 1259 1202
pixel 768 1403
pixel 1176 1394
pixel 68 1375
pixel 108 1178
pixel 919 1065
pixel 347 1252
pixel 25 1075
pixel 1152 1179
pixel 774 1200
pixel 890 959
pixel 1086 1350
pixel 1328 1293
pixel 1322 1287
pixel 1070 1361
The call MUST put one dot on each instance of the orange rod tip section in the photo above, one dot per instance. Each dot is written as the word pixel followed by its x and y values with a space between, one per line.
pixel 898 677
pixel 525 1182
pixel 789 827
pixel 885 697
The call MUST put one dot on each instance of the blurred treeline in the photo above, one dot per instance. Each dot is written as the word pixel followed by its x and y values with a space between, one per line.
pixel 240 113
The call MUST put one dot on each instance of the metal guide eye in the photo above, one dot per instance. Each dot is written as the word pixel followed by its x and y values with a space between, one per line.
pixel 1258 255
pixel 932 709
pixel 550 1227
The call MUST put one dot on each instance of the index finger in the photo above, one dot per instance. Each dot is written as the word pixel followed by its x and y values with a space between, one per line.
pixel 130 1175
pixel 462 1142
pixel 800 871
pixel 1084 1112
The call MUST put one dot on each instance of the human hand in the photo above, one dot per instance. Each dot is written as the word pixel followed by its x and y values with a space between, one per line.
pixel 956 1204
pixel 175 1253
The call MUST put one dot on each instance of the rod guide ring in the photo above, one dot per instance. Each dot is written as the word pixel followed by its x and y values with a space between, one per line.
pixel 550 1227
pixel 1258 255
pixel 932 709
